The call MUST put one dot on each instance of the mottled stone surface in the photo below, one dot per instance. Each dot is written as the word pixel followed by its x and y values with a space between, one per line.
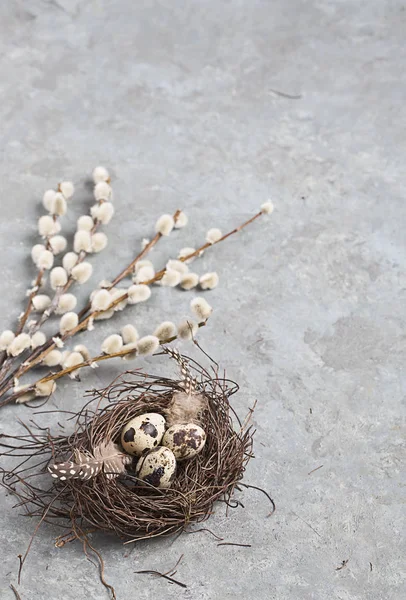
pixel 178 100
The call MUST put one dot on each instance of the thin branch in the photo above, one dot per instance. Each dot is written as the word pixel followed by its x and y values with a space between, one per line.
pixel 130 268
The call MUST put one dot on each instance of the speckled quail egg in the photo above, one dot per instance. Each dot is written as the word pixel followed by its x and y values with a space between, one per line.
pixel 157 467
pixel 185 441
pixel 143 433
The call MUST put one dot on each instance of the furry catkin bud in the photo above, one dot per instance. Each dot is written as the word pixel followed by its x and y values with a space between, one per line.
pixel 69 261
pixel 107 314
pixel 213 235
pixel 164 225
pixel 68 322
pixel 66 303
pixel 209 281
pixel 181 221
pixel 36 252
pixel 186 252
pixel 30 395
pixel 6 338
pixel 58 277
pixel 189 281
pixel 115 294
pixel 19 344
pixel 58 205
pixel 53 358
pixel 99 241
pixel 47 226
pixel 45 388
pixel 112 344
pixel 129 334
pixel 83 350
pixel 267 208
pixel 103 212
pixel 201 308
pixel 82 241
pixel 38 339
pixel 105 284
pixel 41 302
pixel 131 350
pixel 187 329
pixel 82 272
pixel 177 265
pixel 143 263
pixel 144 274
pixel 144 243
pixel 147 345
pixel 45 260
pixel 101 300
pixel 138 293
pixel 67 189
pixel 64 356
pixel 59 343
pixel 100 174
pixel 58 244
pixel 171 278
pixel 48 198
pixel 102 191
pixel 85 223
pixel 72 360
pixel 165 330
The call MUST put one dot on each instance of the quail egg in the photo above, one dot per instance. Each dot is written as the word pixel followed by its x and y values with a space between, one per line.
pixel 185 441
pixel 143 433
pixel 157 467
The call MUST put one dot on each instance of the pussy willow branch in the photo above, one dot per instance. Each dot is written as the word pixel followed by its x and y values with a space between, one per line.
pixel 5 384
pixel 130 268
pixel 5 360
pixel 37 356
pixel 63 289
pixel 85 363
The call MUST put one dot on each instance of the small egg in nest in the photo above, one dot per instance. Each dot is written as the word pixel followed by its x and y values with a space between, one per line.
pixel 185 440
pixel 157 467
pixel 143 433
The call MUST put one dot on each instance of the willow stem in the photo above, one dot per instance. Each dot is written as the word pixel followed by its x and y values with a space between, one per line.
pixel 130 268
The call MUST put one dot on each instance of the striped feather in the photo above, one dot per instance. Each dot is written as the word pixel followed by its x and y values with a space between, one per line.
pixel 106 457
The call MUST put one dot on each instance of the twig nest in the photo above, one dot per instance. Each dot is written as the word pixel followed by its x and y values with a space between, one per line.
pixel 130 505
pixel 185 441
pixel 157 468
pixel 143 433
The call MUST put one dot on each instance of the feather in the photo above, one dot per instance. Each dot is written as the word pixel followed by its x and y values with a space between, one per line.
pixel 106 457
pixel 188 383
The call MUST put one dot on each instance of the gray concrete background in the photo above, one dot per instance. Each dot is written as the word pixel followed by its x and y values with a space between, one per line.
pixel 176 99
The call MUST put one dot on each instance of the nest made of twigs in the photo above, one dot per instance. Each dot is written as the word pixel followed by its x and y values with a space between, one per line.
pixel 121 505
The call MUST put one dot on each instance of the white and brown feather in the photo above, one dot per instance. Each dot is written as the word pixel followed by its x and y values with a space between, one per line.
pixel 188 383
pixel 106 457
pixel 186 406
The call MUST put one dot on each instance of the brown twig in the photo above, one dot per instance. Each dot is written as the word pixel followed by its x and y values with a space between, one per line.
pixel 234 544
pixel 16 594
pixel 313 470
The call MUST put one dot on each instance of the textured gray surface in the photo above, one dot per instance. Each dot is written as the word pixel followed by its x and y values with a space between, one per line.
pixel 175 98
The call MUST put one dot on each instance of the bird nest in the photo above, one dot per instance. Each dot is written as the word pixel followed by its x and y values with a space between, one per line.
pixel 131 509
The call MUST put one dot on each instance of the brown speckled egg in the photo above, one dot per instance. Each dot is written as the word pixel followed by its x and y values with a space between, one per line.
pixel 157 467
pixel 185 441
pixel 143 433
